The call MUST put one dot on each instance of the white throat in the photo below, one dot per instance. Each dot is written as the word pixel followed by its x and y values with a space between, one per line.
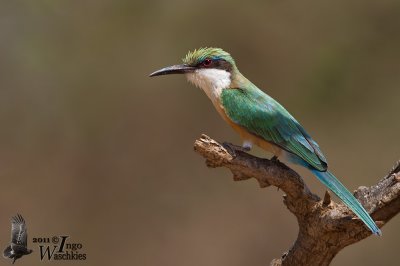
pixel 212 81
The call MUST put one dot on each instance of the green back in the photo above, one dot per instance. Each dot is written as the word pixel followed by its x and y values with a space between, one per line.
pixel 263 116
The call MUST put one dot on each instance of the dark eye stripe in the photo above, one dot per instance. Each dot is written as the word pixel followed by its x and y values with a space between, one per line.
pixel 216 63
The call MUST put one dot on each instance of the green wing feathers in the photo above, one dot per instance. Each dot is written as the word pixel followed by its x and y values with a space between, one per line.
pixel 263 116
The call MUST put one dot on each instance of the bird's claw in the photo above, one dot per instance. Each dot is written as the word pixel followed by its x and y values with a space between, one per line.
pixel 274 159
pixel 232 148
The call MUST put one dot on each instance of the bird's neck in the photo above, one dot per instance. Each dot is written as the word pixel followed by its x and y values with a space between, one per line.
pixel 214 81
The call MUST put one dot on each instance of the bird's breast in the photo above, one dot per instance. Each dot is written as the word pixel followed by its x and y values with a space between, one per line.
pixel 246 135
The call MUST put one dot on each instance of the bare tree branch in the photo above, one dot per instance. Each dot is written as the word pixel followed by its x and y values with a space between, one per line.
pixel 325 227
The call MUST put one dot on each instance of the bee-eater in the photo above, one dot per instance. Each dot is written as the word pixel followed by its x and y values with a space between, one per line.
pixel 259 119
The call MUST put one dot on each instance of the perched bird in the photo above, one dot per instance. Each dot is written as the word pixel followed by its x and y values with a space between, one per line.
pixel 19 235
pixel 259 119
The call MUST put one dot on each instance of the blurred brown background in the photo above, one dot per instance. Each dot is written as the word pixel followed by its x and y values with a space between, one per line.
pixel 92 147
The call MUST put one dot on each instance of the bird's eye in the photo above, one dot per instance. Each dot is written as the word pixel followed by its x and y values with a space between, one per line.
pixel 207 62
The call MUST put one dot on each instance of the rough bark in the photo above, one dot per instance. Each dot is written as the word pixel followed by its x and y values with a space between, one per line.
pixel 325 227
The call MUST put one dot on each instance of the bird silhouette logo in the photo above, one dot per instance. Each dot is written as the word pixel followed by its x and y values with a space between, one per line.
pixel 19 235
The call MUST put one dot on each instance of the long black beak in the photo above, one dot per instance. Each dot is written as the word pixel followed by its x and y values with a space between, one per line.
pixel 176 69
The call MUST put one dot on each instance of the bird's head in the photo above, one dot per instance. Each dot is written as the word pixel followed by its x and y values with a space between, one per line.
pixel 208 68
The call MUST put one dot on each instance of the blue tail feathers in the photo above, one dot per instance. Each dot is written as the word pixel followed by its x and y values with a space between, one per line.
pixel 331 182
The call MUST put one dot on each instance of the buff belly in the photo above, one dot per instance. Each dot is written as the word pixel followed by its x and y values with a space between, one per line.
pixel 246 136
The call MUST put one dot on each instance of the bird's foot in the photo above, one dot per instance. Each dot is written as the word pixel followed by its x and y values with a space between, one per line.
pixel 232 148
pixel 274 159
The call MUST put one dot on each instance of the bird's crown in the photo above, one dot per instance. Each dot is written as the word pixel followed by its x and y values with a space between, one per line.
pixel 199 55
